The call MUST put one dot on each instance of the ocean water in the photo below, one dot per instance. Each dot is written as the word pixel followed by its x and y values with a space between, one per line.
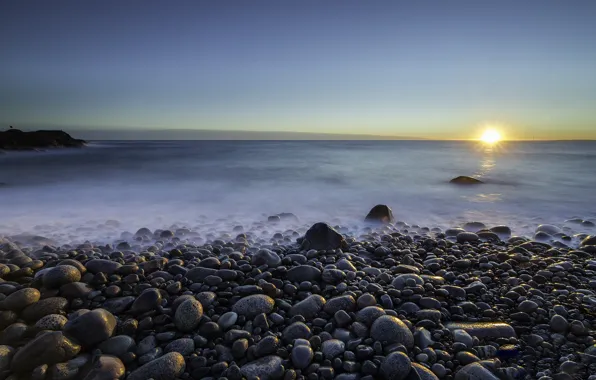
pixel 158 183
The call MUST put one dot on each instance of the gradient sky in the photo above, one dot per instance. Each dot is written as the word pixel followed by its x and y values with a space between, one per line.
pixel 433 69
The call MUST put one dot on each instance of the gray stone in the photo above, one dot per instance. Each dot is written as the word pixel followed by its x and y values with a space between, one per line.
pixel 296 330
pixel 60 275
pixel 396 366
pixel 559 324
pixel 474 371
pixel 118 345
pixel 303 273
pixel 148 300
pixel 332 348
pixel 54 322
pixel 462 336
pixel 48 348
pixel 185 346
pixel 188 315
pixel 118 305
pixel 369 314
pixel 346 302
pixel 266 257
pixel 423 372
pixel 322 236
pixel 91 328
pixel 6 354
pixel 301 356
pixel 227 320
pixel 106 367
pixel 399 282
pixel 390 329
pixel 20 299
pixel 101 265
pixel 253 305
pixel 266 368
pixel 46 306
pixel 467 237
pixel 167 367
pixel 308 307
pixel 484 329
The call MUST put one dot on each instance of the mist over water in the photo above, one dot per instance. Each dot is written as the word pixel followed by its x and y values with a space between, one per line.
pixel 68 193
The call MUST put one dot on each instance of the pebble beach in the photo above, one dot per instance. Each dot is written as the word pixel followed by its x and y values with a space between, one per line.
pixel 279 299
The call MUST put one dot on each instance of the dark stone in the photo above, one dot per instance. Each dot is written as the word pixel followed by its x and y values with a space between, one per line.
pixel 380 214
pixel 91 328
pixel 322 236
pixel 465 180
pixel 48 348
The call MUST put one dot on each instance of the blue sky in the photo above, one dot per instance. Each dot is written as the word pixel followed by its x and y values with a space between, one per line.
pixel 433 69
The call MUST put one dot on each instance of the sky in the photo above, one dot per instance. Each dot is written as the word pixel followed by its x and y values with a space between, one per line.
pixel 429 69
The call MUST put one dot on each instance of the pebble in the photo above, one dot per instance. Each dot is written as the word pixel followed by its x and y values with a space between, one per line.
pixel 253 305
pixel 91 328
pixel 395 366
pixel 169 366
pixel 188 315
pixel 390 329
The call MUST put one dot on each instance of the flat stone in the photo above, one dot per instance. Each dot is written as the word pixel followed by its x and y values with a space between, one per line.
pixel 484 329
pixel 266 368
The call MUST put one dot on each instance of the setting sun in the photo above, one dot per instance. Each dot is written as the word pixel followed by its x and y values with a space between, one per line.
pixel 491 136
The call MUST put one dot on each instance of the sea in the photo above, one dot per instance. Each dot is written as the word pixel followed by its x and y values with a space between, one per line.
pixel 157 184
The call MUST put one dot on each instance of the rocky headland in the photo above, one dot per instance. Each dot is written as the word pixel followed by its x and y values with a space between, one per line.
pixel 15 139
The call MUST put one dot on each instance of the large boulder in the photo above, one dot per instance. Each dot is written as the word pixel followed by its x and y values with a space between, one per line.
pixel 322 236
pixel 380 214
pixel 91 328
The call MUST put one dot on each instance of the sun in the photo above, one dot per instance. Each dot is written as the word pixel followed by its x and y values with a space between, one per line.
pixel 491 136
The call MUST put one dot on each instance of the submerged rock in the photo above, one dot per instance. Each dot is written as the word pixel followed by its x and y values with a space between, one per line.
pixel 465 180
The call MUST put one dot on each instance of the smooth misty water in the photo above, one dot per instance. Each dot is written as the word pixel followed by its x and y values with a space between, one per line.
pixel 159 183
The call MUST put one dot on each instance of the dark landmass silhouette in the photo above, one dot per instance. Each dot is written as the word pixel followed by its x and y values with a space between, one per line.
pixel 15 139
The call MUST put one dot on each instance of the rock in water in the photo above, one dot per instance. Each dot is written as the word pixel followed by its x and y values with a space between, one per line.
pixel 267 368
pixel 396 366
pixel 166 367
pixel 48 348
pixel 387 328
pixel 188 315
pixel 380 214
pixel 91 328
pixel 322 236
pixel 465 180
pixel 253 305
